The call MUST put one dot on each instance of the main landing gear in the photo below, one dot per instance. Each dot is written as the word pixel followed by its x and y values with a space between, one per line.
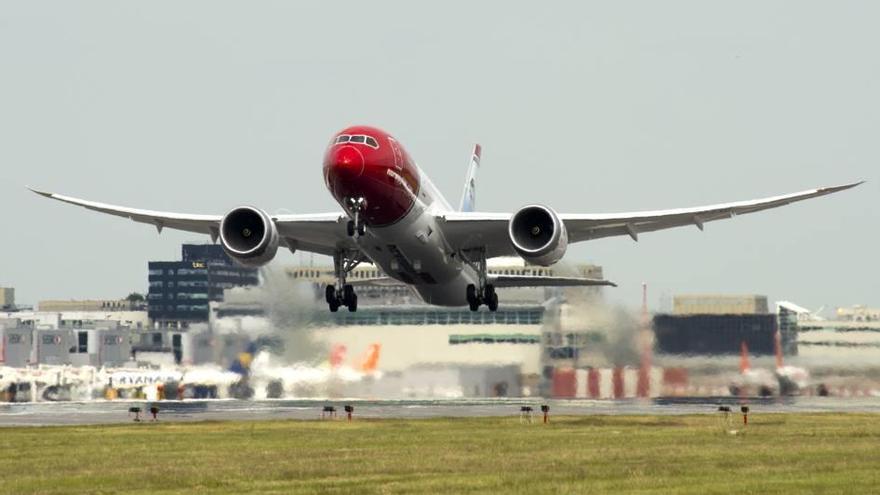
pixel 345 295
pixel 484 293
pixel 487 296
pixel 356 227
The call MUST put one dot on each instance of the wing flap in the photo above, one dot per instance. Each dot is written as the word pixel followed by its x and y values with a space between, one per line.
pixel 323 233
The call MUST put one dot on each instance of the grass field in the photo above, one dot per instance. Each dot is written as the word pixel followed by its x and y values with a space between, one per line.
pixel 816 453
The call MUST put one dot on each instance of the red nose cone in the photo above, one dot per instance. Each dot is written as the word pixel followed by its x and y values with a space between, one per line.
pixel 347 162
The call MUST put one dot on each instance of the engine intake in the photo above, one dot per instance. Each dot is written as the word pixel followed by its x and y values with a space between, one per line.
pixel 538 235
pixel 249 236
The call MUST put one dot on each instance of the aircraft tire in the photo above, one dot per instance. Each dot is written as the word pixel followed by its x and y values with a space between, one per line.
pixel 330 294
pixel 471 294
pixel 492 302
pixel 491 298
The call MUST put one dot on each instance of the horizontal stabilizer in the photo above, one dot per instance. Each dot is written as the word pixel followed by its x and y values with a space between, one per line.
pixel 380 281
pixel 538 281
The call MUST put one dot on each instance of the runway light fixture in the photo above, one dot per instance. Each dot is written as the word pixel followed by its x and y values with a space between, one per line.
pixel 525 414
pixel 349 409
pixel 328 412
pixel 745 411
pixel 724 422
pixel 154 410
pixel 137 413
pixel 546 410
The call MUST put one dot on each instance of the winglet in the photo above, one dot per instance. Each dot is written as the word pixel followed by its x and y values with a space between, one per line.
pixel 41 193
pixel 842 187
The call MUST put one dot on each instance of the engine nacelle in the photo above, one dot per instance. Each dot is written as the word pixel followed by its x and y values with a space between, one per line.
pixel 249 236
pixel 538 235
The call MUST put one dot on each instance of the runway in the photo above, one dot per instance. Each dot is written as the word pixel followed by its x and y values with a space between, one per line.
pixel 110 412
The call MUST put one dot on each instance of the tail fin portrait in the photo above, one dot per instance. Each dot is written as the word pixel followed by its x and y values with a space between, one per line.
pixel 744 365
pixel 468 196
pixel 371 358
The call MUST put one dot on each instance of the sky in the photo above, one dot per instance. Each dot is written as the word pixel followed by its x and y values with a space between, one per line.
pixel 584 106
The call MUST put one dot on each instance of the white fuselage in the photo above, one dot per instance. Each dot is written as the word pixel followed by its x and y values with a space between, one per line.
pixel 414 251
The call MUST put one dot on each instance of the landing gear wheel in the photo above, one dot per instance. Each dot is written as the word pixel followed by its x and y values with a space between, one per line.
pixel 332 298
pixel 342 294
pixel 349 228
pixel 347 294
pixel 471 297
pixel 491 298
pixel 362 229
pixel 330 294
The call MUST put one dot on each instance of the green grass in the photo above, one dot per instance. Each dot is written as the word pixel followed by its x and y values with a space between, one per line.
pixel 815 453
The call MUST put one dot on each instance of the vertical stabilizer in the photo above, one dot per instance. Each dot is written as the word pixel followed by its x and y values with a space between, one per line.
pixel 468 196
pixel 371 358
pixel 777 349
pixel 744 365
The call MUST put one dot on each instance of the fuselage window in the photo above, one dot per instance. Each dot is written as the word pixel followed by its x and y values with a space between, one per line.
pixel 372 142
pixel 358 139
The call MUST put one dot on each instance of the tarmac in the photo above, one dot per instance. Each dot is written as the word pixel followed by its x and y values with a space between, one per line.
pixel 118 411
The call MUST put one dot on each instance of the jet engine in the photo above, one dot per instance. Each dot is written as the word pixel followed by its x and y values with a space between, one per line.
pixel 538 235
pixel 249 236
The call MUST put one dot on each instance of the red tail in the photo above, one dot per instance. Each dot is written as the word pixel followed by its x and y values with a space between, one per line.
pixel 371 358
pixel 777 348
pixel 337 355
pixel 744 357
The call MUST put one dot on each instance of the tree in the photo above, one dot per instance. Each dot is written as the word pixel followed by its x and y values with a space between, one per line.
pixel 135 297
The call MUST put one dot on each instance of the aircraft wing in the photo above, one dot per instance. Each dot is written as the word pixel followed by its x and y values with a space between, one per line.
pixel 540 281
pixel 318 233
pixel 472 230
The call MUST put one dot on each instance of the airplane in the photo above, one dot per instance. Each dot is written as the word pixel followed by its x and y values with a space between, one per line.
pixel 394 217
pixel 785 379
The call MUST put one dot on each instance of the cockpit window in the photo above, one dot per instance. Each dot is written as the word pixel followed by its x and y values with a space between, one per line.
pixel 360 138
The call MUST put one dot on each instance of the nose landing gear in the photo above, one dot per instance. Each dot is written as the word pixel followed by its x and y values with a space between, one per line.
pixel 356 227
pixel 345 295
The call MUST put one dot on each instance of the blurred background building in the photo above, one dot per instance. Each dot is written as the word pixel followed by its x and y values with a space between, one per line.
pixel 714 324
pixel 180 291
pixel 7 298
pixel 205 309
